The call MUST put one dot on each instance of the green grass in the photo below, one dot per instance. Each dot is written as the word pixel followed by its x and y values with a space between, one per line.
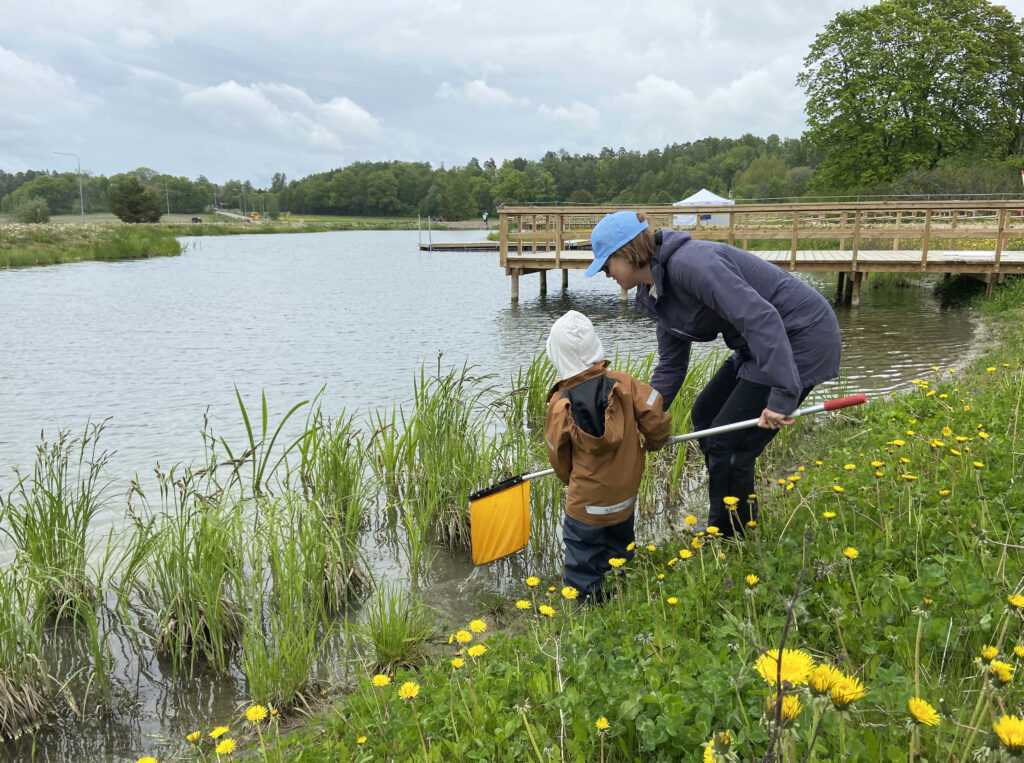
pixel 55 243
pixel 923 486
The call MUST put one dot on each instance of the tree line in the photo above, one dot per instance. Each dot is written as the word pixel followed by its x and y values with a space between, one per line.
pixel 903 98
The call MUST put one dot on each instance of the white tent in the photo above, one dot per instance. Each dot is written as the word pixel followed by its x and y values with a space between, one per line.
pixel 703 197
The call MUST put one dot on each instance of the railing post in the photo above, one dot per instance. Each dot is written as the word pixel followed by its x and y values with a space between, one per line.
pixel 503 223
pixel 792 248
pixel 926 239
pixel 732 227
pixel 856 241
pixel 1000 236
pixel 558 239
pixel 899 224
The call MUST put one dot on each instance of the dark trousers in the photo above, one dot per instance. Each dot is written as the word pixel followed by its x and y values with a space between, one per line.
pixel 730 457
pixel 588 549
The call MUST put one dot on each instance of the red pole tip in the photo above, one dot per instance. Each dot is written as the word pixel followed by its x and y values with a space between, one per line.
pixel 845 402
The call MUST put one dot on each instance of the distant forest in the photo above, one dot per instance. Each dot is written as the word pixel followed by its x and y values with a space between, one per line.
pixel 745 168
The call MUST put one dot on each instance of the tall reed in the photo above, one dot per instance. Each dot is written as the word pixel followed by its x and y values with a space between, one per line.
pixel 46 518
pixel 187 582
pixel 286 625
pixel 25 693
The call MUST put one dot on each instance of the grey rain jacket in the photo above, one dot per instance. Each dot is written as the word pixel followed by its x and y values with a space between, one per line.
pixel 784 332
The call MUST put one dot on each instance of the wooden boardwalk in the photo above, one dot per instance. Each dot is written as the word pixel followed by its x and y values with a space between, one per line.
pixel 984 239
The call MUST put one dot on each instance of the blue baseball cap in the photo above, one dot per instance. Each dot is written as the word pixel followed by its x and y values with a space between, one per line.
pixel 611 234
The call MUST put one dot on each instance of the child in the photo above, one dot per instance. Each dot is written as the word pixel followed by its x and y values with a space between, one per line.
pixel 594 420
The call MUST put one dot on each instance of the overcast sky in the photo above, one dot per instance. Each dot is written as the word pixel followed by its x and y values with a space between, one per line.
pixel 241 90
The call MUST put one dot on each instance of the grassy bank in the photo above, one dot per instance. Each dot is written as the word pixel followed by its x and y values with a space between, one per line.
pixel 886 564
pixel 55 243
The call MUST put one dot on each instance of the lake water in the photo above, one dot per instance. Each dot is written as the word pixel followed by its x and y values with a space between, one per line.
pixel 152 345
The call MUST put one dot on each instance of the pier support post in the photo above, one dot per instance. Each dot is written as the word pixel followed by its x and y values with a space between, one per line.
pixel 848 291
pixel 623 295
pixel 858 278
pixel 514 275
pixel 565 279
pixel 543 275
pixel 840 284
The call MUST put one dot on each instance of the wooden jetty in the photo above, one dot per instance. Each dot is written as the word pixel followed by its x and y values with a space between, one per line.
pixel 982 238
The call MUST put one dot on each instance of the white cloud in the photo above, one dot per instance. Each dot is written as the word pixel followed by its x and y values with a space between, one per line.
pixel 285 112
pixel 479 93
pixel 576 114
pixel 135 38
pixel 25 84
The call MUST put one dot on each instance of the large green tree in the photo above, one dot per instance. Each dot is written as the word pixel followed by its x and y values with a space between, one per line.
pixel 904 84
pixel 134 203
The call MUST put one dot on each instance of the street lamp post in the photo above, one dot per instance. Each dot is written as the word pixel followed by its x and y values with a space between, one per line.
pixel 81 196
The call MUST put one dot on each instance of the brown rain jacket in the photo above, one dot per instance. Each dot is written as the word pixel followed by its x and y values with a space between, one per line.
pixel 593 428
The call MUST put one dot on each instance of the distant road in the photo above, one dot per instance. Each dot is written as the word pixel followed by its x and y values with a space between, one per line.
pixel 235 215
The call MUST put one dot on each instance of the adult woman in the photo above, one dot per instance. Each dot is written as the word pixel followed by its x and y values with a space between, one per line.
pixel 783 334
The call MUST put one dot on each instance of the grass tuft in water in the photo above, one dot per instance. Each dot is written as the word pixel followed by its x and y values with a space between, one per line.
pixel 397 629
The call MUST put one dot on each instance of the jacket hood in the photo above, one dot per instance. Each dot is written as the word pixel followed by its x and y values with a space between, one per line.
pixel 573 345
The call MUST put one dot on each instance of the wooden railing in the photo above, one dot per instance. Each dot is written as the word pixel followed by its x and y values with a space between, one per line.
pixel 922 226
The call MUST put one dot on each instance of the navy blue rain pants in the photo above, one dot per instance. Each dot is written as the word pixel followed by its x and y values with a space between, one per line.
pixel 588 549
pixel 730 457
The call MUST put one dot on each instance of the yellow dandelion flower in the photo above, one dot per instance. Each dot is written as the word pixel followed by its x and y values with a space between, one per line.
pixel 922 712
pixel 908 477
pixel 672 561
pixel 730 500
pixel 458 662
pixel 989 653
pixel 532 581
pixel 910 433
pixel 983 435
pixel 721 556
pixel 601 723
pixel 616 562
pixel 947 432
pixel 361 740
pixel 544 609
pixel 877 464
pixel 796 665
pixel 661 575
pixel 697 543
pixel 477 650
pixel 822 678
pixel 193 737
pixel 226 747
pixel 691 520
pixel 685 553
pixel 523 604
pixel 752 496
pixel 897 443
pixel 1018 652
pixel 936 443
pixel 1016 600
pixel 463 637
pixel 1003 671
pixel 569 592
pixel 846 691
pixel 791 707
pixel 954 451
pixel 929 393
pixel 551 589
pixel 967 408
pixel 961 438
pixel 838 488
pixel 752 523
pixel 978 464
pixel 672 600
pixel 790 486
pixel 1010 730
pixel 652 547
pixel 818 463
pixel 411 689
pixel 850 552
pixel 147 759
pixel 256 713
pixel 943 493
pixel 631 546
pixel 753 580
pixel 219 732
pixel 828 514
pixel 477 626
pixel 713 532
